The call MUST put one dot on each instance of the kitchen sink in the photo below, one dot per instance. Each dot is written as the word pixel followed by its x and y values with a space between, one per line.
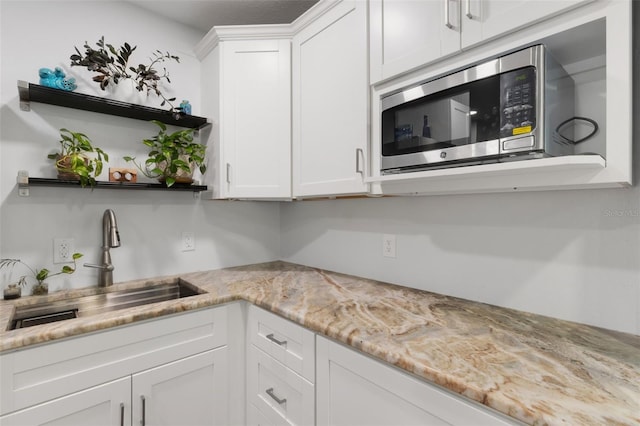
pixel 44 313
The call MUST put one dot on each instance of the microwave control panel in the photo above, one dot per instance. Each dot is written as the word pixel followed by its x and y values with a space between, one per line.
pixel 517 102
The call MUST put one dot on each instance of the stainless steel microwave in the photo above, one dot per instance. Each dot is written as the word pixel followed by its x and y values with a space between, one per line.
pixel 507 108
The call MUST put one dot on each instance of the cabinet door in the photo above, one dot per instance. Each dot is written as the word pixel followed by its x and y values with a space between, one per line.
pixel 485 19
pixel 406 34
pixel 191 391
pixel 353 389
pixel 330 103
pixel 104 405
pixel 255 118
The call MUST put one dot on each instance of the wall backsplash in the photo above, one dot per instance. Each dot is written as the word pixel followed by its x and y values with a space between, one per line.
pixel 150 223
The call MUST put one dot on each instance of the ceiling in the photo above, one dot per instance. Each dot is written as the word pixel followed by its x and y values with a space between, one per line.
pixel 204 14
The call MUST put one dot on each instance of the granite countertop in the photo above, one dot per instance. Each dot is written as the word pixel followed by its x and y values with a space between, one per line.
pixel 536 369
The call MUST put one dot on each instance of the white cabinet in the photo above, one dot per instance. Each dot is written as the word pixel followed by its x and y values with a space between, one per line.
pixel 353 389
pixel 179 364
pixel 188 392
pixel 246 89
pixel 277 391
pixel 104 405
pixel 280 371
pixel 407 34
pixel 330 103
pixel 191 391
pixel 485 19
pixel 593 43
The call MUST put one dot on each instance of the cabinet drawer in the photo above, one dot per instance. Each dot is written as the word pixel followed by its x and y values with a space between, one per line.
pixel 281 395
pixel 285 341
pixel 33 375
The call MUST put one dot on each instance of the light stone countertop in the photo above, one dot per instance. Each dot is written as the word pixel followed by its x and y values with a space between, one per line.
pixel 537 369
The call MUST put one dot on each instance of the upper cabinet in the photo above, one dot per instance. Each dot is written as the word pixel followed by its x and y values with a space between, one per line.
pixel 330 103
pixel 593 43
pixel 407 34
pixel 246 81
pixel 485 19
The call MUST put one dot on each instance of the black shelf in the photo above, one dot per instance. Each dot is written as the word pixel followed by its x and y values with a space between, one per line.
pixel 116 185
pixel 30 92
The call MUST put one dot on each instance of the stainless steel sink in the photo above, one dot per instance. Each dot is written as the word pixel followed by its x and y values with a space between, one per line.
pixel 44 313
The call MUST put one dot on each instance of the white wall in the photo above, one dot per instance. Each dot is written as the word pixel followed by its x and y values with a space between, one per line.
pixel 38 34
pixel 573 255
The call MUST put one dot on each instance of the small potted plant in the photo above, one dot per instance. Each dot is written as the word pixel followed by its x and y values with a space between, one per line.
pixel 173 157
pixel 72 161
pixel 39 275
pixel 112 66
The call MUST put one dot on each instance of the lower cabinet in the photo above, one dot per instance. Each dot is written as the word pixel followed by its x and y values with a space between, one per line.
pixel 190 391
pixel 280 371
pixel 169 371
pixel 107 404
pixel 353 389
pixel 190 370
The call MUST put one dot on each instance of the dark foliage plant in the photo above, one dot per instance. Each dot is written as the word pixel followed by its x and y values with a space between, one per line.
pixel 112 66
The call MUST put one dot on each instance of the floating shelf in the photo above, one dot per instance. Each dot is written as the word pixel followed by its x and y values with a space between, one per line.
pixel 112 185
pixel 35 93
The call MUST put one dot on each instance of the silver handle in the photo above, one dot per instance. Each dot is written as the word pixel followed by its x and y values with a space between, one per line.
pixel 447 22
pixel 228 173
pixel 276 341
pixel 121 414
pixel 144 411
pixel 105 267
pixel 275 398
pixel 359 152
pixel 468 11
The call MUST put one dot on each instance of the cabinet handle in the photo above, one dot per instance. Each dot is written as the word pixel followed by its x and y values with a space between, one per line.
pixel 468 10
pixel 121 414
pixel 359 153
pixel 276 341
pixel 275 398
pixel 447 22
pixel 228 173
pixel 144 411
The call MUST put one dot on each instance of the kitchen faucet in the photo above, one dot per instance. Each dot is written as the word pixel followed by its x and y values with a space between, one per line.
pixel 110 239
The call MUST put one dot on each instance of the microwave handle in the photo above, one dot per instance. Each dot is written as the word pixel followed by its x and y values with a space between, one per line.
pixel 447 21
pixel 359 153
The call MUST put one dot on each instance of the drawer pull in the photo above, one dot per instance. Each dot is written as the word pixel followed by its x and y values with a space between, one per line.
pixel 121 414
pixel 275 398
pixel 276 341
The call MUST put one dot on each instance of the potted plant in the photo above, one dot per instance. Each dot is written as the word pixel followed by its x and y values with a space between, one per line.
pixel 173 157
pixel 112 66
pixel 72 162
pixel 39 275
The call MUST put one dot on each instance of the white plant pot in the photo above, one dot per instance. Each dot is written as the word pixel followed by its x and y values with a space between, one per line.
pixel 125 91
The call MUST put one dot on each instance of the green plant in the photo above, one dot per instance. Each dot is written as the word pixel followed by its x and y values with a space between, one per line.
pixel 113 65
pixel 72 158
pixel 170 154
pixel 40 275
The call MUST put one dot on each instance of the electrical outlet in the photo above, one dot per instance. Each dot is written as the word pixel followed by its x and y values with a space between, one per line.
pixel 188 241
pixel 63 249
pixel 389 245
